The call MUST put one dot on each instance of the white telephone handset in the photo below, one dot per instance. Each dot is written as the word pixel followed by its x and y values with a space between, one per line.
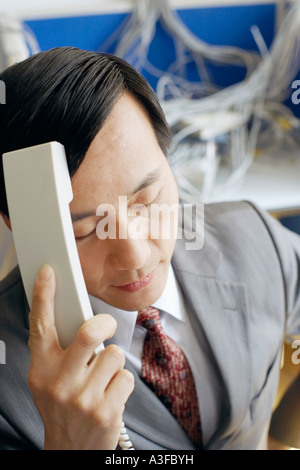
pixel 39 191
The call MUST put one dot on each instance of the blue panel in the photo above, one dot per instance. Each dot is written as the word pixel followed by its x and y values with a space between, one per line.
pixel 292 223
pixel 231 25
pixel 86 32
pixel 219 26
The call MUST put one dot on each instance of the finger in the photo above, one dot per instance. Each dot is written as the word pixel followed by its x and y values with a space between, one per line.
pixel 108 385
pixel 42 329
pixel 104 367
pixel 120 387
pixel 90 335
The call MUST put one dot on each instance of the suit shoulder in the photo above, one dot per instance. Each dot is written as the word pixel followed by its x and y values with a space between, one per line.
pixel 12 280
pixel 241 219
pixel 229 210
pixel 13 303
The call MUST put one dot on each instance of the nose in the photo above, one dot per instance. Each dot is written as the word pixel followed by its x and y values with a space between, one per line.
pixel 128 253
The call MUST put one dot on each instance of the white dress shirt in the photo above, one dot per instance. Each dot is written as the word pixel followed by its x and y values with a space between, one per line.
pixel 175 322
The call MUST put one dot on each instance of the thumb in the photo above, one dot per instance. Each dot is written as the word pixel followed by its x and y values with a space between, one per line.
pixel 42 331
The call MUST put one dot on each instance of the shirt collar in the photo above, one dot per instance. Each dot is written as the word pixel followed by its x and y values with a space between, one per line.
pixel 170 301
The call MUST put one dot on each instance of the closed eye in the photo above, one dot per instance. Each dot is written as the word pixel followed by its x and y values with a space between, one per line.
pixel 85 237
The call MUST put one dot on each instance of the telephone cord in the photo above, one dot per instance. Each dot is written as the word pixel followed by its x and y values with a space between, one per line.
pixel 124 440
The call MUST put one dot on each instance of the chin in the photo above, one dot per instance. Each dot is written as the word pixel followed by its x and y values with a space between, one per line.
pixel 139 300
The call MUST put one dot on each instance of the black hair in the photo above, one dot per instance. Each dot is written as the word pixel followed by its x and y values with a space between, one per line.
pixel 64 95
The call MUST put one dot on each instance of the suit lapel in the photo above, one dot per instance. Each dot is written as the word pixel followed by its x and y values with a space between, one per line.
pixel 148 417
pixel 219 317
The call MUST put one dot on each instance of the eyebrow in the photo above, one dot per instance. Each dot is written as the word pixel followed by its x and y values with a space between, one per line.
pixel 151 178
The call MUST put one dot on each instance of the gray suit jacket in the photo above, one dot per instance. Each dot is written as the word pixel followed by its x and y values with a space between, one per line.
pixel 243 293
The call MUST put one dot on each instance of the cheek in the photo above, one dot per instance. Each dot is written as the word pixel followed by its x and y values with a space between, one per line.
pixel 92 264
pixel 165 244
pixel 164 217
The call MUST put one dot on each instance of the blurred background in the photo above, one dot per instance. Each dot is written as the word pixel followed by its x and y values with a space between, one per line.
pixel 226 73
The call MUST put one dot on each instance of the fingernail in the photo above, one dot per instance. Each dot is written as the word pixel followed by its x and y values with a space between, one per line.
pixel 45 273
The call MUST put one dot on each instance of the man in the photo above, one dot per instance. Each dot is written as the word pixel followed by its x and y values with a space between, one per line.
pixel 228 305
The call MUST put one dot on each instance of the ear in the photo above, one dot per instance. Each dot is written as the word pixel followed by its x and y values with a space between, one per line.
pixel 6 220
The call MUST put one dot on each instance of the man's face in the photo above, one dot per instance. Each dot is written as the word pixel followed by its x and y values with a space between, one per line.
pixel 124 160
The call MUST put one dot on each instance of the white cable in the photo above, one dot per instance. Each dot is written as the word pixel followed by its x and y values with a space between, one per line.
pixel 17 41
pixel 124 441
pixel 220 54
pixel 266 85
pixel 133 39
pixel 257 100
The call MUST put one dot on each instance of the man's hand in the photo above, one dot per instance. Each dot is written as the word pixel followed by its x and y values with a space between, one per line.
pixel 80 400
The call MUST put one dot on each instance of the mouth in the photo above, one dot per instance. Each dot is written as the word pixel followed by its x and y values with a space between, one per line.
pixel 137 285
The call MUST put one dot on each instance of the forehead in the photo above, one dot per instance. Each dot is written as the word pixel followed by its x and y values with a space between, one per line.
pixel 123 151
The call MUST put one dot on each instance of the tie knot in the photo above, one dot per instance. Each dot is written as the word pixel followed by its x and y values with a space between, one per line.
pixel 148 318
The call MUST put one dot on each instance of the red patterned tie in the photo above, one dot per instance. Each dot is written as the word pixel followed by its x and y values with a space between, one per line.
pixel 166 371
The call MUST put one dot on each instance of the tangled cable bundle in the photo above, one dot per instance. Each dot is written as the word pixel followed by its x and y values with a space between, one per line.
pixel 216 132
